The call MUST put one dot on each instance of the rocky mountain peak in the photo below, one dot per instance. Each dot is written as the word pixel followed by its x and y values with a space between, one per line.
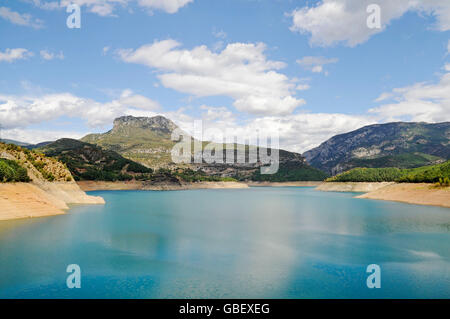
pixel 154 123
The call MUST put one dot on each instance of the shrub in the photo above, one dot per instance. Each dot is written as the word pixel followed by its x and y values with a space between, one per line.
pixel 11 171
pixel 439 173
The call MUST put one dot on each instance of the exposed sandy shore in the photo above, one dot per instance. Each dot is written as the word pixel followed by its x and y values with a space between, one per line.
pixel 351 187
pixel 25 200
pixel 137 185
pixel 284 184
pixel 420 194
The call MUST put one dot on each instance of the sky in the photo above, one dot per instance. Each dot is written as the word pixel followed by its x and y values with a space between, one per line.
pixel 304 70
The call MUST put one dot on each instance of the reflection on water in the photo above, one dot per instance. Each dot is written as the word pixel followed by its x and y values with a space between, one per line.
pixel 254 243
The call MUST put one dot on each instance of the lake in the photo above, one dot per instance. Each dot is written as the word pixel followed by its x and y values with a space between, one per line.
pixel 237 243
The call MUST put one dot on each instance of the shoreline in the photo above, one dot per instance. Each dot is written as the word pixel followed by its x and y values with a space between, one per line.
pixel 31 200
pixel 89 186
pixel 409 193
pixel 285 184
pixel 353 187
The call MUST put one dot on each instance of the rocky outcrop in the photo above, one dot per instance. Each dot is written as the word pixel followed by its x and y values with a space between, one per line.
pixel 158 123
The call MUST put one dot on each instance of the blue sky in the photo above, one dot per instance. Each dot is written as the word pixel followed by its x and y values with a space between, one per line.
pixel 308 69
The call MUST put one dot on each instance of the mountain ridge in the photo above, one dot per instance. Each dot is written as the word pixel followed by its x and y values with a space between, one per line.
pixel 383 145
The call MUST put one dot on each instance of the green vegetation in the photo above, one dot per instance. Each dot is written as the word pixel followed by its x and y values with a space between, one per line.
pixel 428 174
pixel 291 174
pixel 405 160
pixel 90 162
pixel 444 181
pixel 439 173
pixel 11 171
pixel 42 164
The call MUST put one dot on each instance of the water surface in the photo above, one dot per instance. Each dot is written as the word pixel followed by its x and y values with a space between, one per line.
pixel 243 243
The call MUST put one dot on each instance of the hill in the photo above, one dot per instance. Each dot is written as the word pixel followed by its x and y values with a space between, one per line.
pixel 88 162
pixel 148 141
pixel 34 185
pixel 38 166
pixel 439 173
pixel 401 145
pixel 91 162
pixel 7 141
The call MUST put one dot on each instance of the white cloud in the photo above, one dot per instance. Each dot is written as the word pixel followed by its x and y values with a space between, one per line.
pixel 46 5
pixel 24 19
pixel 303 87
pixel 315 63
pixel 335 21
pixel 37 136
pixel 240 71
pixel 169 6
pixel 11 55
pixel 22 111
pixel 297 132
pixel 219 34
pixel 418 102
pixel 107 7
pixel 46 55
pixel 129 99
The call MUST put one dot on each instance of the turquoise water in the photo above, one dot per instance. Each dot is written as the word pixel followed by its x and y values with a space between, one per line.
pixel 247 243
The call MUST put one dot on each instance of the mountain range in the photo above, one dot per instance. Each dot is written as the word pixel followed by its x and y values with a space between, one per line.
pixel 148 141
pixel 140 145
pixel 400 144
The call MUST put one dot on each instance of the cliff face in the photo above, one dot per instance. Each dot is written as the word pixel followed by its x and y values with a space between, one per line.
pixel 156 123
pixel 50 191
pixel 403 145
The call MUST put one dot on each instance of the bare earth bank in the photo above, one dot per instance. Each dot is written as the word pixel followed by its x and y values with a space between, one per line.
pixel 351 187
pixel 139 185
pixel 26 200
pixel 419 194
pixel 284 184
